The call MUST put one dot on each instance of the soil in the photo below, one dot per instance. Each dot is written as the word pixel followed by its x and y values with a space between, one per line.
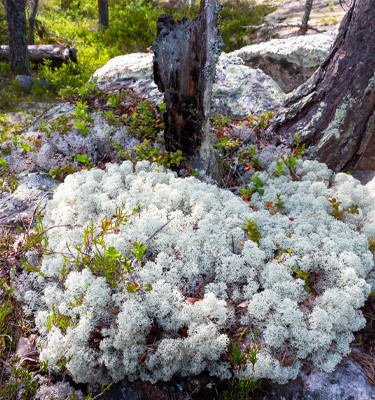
pixel 325 15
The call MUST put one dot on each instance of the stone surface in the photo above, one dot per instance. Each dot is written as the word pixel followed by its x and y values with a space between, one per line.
pixel 238 90
pixel 325 15
pixel 347 382
pixel 33 189
pixel 290 62
pixel 56 150
pixel 27 83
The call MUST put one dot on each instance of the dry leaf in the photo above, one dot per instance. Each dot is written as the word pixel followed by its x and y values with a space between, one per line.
pixel 142 358
pixel 244 304
pixel 192 300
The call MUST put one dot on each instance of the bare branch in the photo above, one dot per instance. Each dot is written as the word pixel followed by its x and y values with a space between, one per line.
pixel 273 26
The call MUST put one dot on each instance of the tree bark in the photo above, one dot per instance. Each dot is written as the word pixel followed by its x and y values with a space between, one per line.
pixel 103 13
pixel 17 28
pixel 185 57
pixel 40 53
pixel 32 16
pixel 334 112
pixel 306 17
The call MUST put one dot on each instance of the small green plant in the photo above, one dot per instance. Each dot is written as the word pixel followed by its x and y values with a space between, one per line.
pixel 61 125
pixel 219 121
pixel 227 145
pixel 145 151
pixel 371 245
pixel 291 161
pixel 275 207
pixel 338 213
pixel 93 253
pixel 19 382
pixel 242 389
pixel 60 173
pixel 304 275
pixel 84 120
pixel 144 123
pixel 260 123
pixel 138 250
pixel 8 181
pixel 256 187
pixel 59 320
pixel 249 155
pixel 114 100
pixel 83 159
pixel 252 231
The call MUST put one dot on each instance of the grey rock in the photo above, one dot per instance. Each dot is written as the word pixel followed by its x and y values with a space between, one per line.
pixel 56 150
pixel 33 189
pixel 347 382
pixel 27 83
pixel 290 62
pixel 238 89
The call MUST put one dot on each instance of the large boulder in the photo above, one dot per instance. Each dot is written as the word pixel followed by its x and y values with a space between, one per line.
pixel 290 62
pixel 53 147
pixel 238 89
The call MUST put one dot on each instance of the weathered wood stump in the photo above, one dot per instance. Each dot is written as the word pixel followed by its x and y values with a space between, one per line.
pixel 185 57
pixel 39 53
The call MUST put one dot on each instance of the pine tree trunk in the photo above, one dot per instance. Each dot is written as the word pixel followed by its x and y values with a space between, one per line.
pixel 103 13
pixel 185 57
pixel 306 17
pixel 334 112
pixel 17 27
pixel 32 21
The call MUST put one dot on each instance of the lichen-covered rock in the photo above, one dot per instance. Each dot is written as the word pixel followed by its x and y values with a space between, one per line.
pixel 347 382
pixel 290 62
pixel 53 147
pixel 238 90
pixel 33 189
pixel 202 265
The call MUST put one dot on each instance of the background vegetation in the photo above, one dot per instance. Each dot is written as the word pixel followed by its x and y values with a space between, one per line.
pixel 132 29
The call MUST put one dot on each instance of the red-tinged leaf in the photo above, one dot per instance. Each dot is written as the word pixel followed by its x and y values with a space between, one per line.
pixel 192 300
pixel 242 243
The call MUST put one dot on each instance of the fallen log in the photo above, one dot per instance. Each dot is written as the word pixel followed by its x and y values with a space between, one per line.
pixel 39 53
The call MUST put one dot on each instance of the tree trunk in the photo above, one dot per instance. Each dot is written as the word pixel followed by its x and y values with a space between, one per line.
pixel 40 53
pixel 103 13
pixel 306 17
pixel 32 16
pixel 185 57
pixel 17 28
pixel 334 112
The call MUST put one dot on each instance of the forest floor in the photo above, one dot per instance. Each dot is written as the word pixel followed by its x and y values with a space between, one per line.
pixel 325 15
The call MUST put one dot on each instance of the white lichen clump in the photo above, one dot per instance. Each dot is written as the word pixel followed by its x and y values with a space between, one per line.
pixel 204 254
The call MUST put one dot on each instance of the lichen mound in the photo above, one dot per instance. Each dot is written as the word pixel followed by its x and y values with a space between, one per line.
pixel 208 278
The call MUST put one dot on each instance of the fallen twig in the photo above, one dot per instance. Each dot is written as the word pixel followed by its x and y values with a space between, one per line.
pixel 279 26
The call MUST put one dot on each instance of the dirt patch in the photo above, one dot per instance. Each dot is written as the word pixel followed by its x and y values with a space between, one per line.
pixel 325 15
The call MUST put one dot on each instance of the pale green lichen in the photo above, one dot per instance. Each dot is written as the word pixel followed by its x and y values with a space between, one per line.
pixel 204 246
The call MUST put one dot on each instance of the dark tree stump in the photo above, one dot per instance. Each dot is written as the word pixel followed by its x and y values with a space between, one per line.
pixel 334 112
pixel 185 57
